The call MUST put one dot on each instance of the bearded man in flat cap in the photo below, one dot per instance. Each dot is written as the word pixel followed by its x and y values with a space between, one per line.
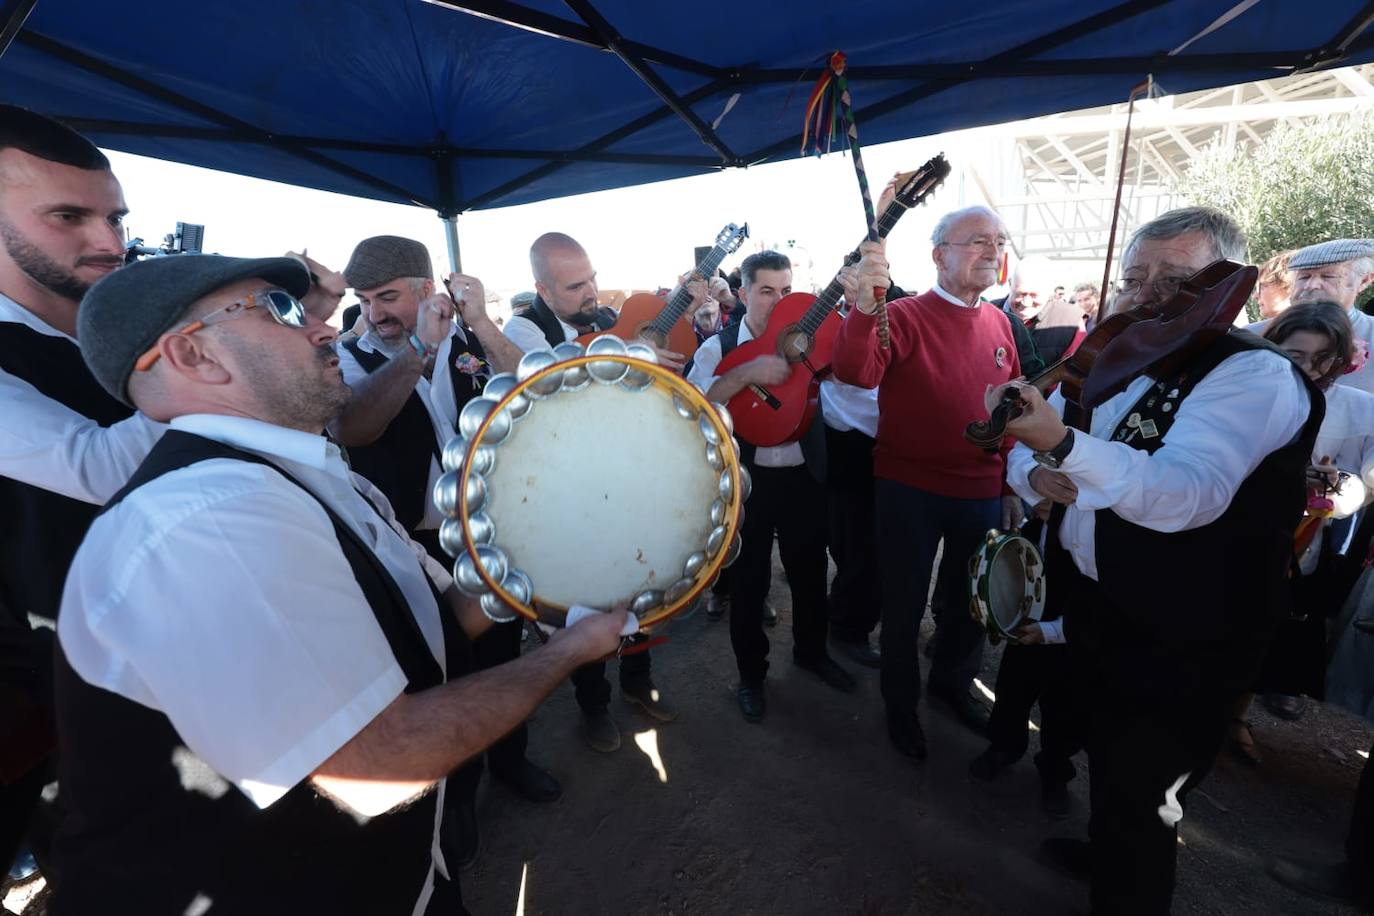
pixel 412 371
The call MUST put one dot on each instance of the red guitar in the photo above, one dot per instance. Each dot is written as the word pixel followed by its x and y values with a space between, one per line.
pixel 802 331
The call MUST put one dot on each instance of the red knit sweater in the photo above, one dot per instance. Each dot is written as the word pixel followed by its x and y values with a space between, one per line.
pixel 930 386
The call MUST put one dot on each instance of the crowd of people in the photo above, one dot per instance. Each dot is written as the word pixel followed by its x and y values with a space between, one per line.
pixel 227 629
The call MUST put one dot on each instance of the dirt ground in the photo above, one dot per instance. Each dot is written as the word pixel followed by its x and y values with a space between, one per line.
pixel 811 812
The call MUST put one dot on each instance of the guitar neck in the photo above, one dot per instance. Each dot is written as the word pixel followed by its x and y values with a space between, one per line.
pixel 678 302
pixel 829 298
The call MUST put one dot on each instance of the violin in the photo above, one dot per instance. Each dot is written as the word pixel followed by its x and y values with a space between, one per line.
pixel 1155 338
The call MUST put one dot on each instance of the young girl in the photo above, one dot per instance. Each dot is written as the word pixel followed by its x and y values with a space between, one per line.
pixel 1319 339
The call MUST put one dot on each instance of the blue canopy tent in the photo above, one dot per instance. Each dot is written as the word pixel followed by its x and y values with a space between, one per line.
pixel 458 105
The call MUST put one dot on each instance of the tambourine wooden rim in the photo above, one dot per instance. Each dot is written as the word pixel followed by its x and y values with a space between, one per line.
pixel 678 387
pixel 981 565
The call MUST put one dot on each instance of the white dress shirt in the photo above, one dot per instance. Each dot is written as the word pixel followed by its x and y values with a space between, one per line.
pixel 1347 437
pixel 218 595
pixel 950 297
pixel 435 394
pixel 527 335
pixel 845 407
pixel 48 445
pixel 1250 405
pixel 703 373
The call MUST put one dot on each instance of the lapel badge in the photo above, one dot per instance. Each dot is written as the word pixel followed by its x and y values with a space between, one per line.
pixel 1148 429
pixel 1000 357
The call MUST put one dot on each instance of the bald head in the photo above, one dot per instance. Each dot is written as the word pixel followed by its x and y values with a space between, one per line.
pixel 564 278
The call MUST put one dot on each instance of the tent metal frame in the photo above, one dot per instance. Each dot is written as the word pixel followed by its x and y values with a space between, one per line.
pixel 595 31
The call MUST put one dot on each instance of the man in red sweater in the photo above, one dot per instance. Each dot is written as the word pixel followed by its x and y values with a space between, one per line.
pixel 947 346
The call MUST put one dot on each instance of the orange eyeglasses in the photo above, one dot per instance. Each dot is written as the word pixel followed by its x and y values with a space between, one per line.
pixel 282 306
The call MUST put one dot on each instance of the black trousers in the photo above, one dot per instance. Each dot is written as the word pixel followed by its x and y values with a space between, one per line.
pixel 1146 753
pixel 911 525
pixel 787 502
pixel 1026 675
pixel 593 690
pixel 855 592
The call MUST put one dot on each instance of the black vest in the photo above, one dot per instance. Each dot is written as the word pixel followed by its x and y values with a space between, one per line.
pixel 812 441
pixel 151 826
pixel 1213 594
pixel 398 462
pixel 40 530
pixel 548 322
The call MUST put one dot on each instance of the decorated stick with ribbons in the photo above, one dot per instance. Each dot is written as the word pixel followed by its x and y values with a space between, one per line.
pixel 831 110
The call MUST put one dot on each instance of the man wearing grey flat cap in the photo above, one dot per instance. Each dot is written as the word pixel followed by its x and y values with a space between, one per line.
pixel 258 672
pixel 412 371
pixel 1336 271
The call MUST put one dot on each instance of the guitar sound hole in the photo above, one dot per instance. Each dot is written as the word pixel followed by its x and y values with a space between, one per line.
pixel 657 338
pixel 794 344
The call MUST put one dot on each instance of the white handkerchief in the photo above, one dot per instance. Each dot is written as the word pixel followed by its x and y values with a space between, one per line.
pixel 578 612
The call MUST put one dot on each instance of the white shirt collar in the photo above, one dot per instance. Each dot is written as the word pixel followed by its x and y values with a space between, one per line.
pixel 14 313
pixel 950 297
pixel 266 439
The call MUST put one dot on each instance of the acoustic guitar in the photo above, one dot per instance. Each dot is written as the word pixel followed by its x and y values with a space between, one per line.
pixel 645 316
pixel 802 330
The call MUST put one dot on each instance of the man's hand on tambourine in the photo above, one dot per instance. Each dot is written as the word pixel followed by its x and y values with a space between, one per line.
pixel 1029 634
pixel 1039 426
pixel 1053 485
pixel 595 635
pixel 1013 512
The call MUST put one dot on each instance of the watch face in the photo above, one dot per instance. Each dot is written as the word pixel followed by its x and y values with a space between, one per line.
pixel 1046 460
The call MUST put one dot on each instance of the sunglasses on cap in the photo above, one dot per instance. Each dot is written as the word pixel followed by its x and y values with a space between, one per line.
pixel 282 306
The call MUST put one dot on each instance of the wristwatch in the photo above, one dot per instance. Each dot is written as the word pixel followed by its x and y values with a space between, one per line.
pixel 1053 458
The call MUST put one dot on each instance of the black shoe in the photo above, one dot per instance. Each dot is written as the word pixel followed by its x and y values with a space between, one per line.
pixel 858 651
pixel 752 702
pixel 1068 856
pixel 826 669
pixel 650 701
pixel 770 615
pixel 717 606
pixel 1317 879
pixel 460 823
pixel 988 765
pixel 907 736
pixel 530 782
pixel 600 731
pixel 1055 800
pixel 966 708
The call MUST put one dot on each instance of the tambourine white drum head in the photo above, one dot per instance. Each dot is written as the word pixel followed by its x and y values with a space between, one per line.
pixel 590 478
pixel 601 493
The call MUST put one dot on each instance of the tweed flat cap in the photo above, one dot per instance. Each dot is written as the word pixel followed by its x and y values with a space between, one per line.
pixel 384 258
pixel 127 311
pixel 1332 252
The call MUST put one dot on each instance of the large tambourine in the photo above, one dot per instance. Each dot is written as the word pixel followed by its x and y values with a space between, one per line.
pixel 590 477
pixel 1006 584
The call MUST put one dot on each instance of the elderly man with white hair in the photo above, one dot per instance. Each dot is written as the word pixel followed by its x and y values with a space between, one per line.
pixel 932 486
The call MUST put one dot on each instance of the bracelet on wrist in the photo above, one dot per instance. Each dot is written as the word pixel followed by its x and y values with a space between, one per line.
pixel 422 349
